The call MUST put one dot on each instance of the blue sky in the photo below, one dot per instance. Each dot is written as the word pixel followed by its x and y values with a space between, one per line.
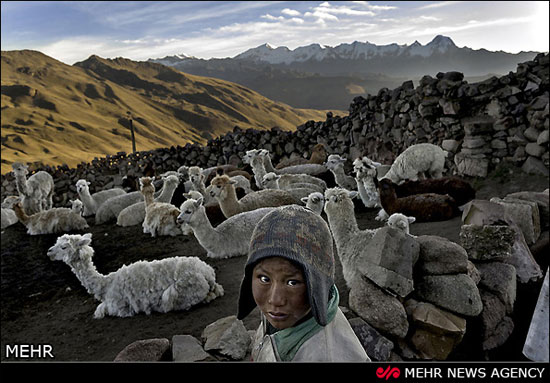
pixel 71 31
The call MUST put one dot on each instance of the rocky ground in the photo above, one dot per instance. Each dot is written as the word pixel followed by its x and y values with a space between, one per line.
pixel 43 302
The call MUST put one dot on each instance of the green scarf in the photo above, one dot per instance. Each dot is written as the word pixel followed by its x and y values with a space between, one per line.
pixel 289 340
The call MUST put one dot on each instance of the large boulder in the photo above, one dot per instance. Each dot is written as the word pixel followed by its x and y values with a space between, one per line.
pixel 457 293
pixel 378 308
pixel 146 350
pixel 499 279
pixel 524 213
pixel 187 348
pixel 390 259
pixel 227 337
pixel 496 325
pixel 439 255
pixel 487 242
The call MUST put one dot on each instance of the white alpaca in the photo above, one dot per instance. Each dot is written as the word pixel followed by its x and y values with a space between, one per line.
pixel 93 201
pixel 230 238
pixel 311 169
pixel 168 284
pixel 77 206
pixel 160 217
pixel 36 192
pixel 55 220
pixel 223 189
pixel 364 178
pixel 416 162
pixel 351 243
pixel 8 215
pixel 271 181
pixel 256 159
pixel 315 202
pixel 335 164
pixel 135 214
pixel 400 222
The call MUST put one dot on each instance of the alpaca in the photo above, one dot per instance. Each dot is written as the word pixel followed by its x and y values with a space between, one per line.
pixel 335 164
pixel 416 161
pixel 459 189
pixel 8 215
pixel 93 201
pixel 364 178
pixel 307 169
pixel 223 189
pixel 400 222
pixel 351 243
pixel 271 181
pixel 160 217
pixel 315 202
pixel 175 283
pixel 257 162
pixel 36 192
pixel 213 212
pixel 318 156
pixel 231 238
pixel 197 178
pixel 77 206
pixel 135 214
pixel 55 220
pixel 424 207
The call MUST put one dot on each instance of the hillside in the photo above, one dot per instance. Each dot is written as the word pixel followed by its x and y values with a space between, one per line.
pixel 55 113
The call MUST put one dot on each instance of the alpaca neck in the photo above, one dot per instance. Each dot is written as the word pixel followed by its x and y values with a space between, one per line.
pixel 203 229
pixel 21 215
pixel 268 165
pixel 21 184
pixel 259 170
pixel 167 192
pixel 230 205
pixel 88 200
pixel 201 188
pixel 94 282
pixel 388 199
pixel 339 175
pixel 361 189
pixel 148 197
pixel 343 224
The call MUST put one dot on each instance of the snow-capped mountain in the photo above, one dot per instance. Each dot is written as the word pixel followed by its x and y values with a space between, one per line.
pixel 354 51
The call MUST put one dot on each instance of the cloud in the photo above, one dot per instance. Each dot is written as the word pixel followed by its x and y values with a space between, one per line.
pixel 290 12
pixel 439 5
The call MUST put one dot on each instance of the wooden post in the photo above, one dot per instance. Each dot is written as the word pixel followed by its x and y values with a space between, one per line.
pixel 133 137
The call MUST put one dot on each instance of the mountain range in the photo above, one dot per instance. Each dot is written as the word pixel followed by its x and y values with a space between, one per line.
pixel 339 73
pixel 56 113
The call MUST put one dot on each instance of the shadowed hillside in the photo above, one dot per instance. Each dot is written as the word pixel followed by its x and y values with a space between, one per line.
pixel 55 113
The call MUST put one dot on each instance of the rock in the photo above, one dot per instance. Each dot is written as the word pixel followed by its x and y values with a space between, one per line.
pixel 457 293
pixel 147 350
pixel 536 344
pixel 496 326
pixel 527 269
pixel 524 213
pixel 542 138
pixel 542 201
pixel 228 337
pixel 499 279
pixel 531 134
pixel 450 145
pixel 375 344
pixel 379 309
pixel 487 242
pixel 471 166
pixel 533 165
pixel 535 150
pixel 473 272
pixel 187 348
pixel 390 259
pixel 439 255
pixel 435 332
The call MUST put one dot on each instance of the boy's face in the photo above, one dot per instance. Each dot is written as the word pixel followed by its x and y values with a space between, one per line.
pixel 280 291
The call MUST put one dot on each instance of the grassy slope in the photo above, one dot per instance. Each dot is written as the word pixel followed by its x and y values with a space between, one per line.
pixel 67 114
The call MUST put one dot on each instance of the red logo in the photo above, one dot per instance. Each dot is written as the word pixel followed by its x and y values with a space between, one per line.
pixel 388 372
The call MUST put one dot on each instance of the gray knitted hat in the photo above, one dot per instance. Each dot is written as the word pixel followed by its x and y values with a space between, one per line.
pixel 301 236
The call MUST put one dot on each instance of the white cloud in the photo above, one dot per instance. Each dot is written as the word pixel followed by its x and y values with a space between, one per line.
pixel 290 12
pixel 439 5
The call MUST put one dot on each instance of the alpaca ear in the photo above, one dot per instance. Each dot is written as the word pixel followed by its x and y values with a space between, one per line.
pixel 85 240
pixel 199 202
pixel 411 219
pixel 376 164
pixel 88 183
pixel 303 199
pixel 352 194
pixel 232 182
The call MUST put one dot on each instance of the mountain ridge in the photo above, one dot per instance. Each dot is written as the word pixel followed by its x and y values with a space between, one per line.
pixel 57 113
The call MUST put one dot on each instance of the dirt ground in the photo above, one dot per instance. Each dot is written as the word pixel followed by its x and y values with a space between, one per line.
pixel 42 302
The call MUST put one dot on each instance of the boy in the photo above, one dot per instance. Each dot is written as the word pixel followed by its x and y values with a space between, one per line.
pixel 289 275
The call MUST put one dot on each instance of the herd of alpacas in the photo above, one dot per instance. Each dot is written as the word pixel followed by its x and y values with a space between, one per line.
pixel 220 207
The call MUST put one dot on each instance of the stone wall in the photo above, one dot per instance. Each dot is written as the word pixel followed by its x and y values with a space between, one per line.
pixel 480 124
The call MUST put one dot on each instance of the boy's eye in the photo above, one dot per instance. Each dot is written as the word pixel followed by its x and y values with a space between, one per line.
pixel 293 282
pixel 263 279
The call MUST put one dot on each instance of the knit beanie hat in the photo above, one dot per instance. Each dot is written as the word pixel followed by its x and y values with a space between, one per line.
pixel 301 236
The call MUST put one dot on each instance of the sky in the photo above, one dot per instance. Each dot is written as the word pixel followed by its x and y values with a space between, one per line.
pixel 71 31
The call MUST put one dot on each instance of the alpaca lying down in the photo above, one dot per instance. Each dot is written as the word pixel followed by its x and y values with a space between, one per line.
pixel 175 283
